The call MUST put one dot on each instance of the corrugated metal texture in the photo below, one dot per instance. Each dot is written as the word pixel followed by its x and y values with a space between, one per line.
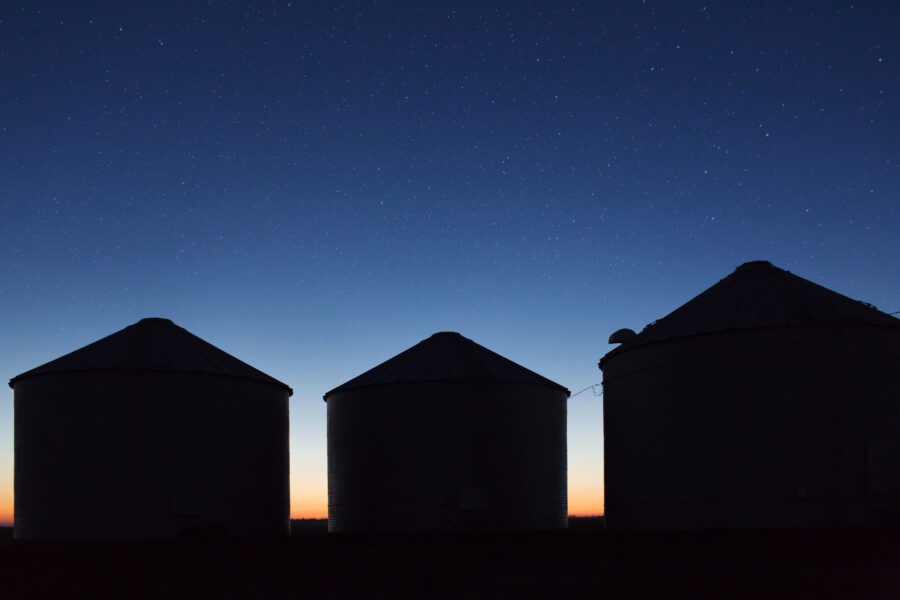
pixel 447 356
pixel 768 426
pixel 149 455
pixel 152 345
pixel 757 295
pixel 447 456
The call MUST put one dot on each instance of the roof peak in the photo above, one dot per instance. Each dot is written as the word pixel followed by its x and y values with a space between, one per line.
pixel 152 344
pixel 770 297
pixel 446 356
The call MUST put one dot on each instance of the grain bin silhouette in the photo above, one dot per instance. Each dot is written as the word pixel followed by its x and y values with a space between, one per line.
pixel 149 432
pixel 766 401
pixel 447 436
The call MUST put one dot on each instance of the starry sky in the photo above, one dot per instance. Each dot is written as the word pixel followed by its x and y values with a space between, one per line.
pixel 315 187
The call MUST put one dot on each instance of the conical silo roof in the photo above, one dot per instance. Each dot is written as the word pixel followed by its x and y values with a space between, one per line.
pixel 446 356
pixel 152 344
pixel 757 295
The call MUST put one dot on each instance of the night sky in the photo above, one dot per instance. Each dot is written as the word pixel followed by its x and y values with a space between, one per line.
pixel 316 187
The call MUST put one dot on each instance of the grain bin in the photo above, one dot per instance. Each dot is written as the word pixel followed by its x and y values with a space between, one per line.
pixel 447 436
pixel 766 401
pixel 150 432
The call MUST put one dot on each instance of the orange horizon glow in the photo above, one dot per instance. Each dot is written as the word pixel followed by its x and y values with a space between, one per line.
pixel 6 515
pixel 6 508
pixel 582 503
pixel 586 499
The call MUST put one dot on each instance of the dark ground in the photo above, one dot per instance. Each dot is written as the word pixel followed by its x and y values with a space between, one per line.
pixel 584 561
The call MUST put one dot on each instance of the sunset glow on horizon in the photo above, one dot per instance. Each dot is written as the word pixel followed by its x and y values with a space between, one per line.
pixel 312 505
pixel 315 509
pixel 6 511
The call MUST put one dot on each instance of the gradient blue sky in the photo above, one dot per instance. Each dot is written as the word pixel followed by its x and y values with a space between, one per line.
pixel 316 187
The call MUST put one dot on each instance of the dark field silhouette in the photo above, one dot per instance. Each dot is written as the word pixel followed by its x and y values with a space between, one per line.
pixel 579 562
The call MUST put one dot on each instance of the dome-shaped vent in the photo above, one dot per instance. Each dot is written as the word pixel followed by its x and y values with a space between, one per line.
pixel 621 336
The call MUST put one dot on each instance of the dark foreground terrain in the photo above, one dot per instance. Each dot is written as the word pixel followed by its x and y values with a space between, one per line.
pixel 584 561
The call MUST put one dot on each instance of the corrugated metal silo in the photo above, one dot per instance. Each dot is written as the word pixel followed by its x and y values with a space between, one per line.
pixel 447 436
pixel 766 401
pixel 150 432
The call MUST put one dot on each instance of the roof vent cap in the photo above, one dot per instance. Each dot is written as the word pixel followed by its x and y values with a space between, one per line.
pixel 754 265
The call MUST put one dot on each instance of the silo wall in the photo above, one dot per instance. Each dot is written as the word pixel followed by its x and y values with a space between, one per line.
pixel 149 455
pixel 757 428
pixel 446 456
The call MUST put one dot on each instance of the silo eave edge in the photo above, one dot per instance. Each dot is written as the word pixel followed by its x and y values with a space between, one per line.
pixel 273 383
pixel 623 349
pixel 552 385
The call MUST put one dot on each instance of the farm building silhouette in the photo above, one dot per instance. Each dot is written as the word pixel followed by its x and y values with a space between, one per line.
pixel 150 432
pixel 766 401
pixel 447 435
